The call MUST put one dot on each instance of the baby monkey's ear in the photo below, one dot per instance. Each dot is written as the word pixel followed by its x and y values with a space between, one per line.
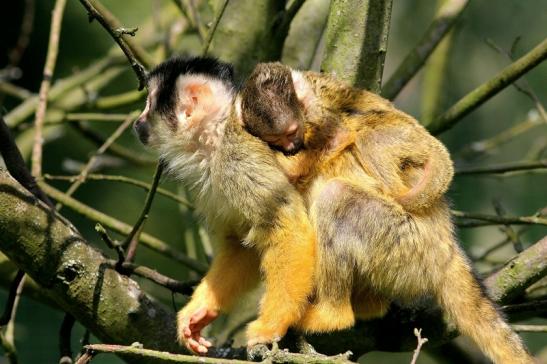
pixel 303 90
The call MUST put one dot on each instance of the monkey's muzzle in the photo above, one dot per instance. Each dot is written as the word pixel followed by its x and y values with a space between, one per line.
pixel 142 128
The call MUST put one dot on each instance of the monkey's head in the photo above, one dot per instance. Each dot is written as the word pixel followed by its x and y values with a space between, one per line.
pixel 270 109
pixel 185 96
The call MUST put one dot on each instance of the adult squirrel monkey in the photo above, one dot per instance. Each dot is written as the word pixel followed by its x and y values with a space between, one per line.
pixel 247 202
pixel 374 180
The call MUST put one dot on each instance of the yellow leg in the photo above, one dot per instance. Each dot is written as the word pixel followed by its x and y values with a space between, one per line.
pixel 233 271
pixel 288 263
pixel 327 317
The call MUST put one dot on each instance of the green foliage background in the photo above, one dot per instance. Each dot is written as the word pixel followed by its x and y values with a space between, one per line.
pixel 471 62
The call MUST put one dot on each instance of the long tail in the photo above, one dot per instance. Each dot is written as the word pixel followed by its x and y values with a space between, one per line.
pixel 437 174
pixel 476 316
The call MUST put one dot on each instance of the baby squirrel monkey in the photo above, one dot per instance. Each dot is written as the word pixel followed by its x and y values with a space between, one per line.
pixel 321 117
pixel 374 181
pixel 247 202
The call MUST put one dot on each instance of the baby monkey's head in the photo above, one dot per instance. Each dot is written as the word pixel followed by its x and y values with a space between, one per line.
pixel 270 109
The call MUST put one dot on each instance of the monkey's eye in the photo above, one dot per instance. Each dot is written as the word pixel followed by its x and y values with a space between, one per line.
pixel 291 130
pixel 271 139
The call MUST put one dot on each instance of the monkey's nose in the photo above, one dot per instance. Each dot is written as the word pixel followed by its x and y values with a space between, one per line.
pixel 142 129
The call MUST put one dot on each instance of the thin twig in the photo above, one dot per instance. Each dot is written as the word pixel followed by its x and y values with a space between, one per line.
pixel 530 328
pixel 131 241
pixel 435 75
pixel 289 14
pixel 12 297
pixel 91 116
pixel 211 33
pixel 421 341
pixel 122 228
pixel 16 53
pixel 481 147
pixel 185 288
pixel 508 229
pixel 115 149
pixel 522 85
pixel 492 249
pixel 114 101
pixel 124 179
pixel 499 245
pixel 14 91
pixel 113 23
pixel 188 9
pixel 64 88
pixel 537 307
pixel 49 68
pixel 97 11
pixel 488 89
pixel 115 135
pixel 442 23
pixel 503 168
pixel 126 267
pixel 65 339
pixel 112 244
pixel 10 351
pixel 86 357
pixel 7 338
pixel 501 220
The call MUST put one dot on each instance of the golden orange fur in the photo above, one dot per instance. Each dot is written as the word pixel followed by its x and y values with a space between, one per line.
pixel 374 181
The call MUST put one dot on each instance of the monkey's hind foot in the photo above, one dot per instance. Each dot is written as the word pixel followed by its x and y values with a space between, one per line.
pixel 259 333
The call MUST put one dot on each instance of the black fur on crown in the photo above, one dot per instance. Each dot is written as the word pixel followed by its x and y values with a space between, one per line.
pixel 167 73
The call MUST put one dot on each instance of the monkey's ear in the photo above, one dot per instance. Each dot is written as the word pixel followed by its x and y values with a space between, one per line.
pixel 304 93
pixel 197 101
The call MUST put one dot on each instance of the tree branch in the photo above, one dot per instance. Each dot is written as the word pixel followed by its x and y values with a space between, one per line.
pixel 132 239
pixel 488 89
pixel 511 281
pixel 122 228
pixel 77 276
pixel 442 23
pixel 49 67
pixel 135 352
pixel 112 26
pixel 12 296
pixel 58 259
pixel 67 89
pixel 501 220
pixel 115 149
pixel 478 148
pixel 213 29
pixel 503 168
pixel 111 139
pixel 126 180
pixel 357 33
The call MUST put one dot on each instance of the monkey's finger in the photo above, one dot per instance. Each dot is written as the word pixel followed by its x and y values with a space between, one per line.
pixel 196 347
pixel 203 341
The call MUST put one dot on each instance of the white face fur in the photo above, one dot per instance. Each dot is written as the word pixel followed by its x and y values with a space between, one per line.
pixel 201 103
